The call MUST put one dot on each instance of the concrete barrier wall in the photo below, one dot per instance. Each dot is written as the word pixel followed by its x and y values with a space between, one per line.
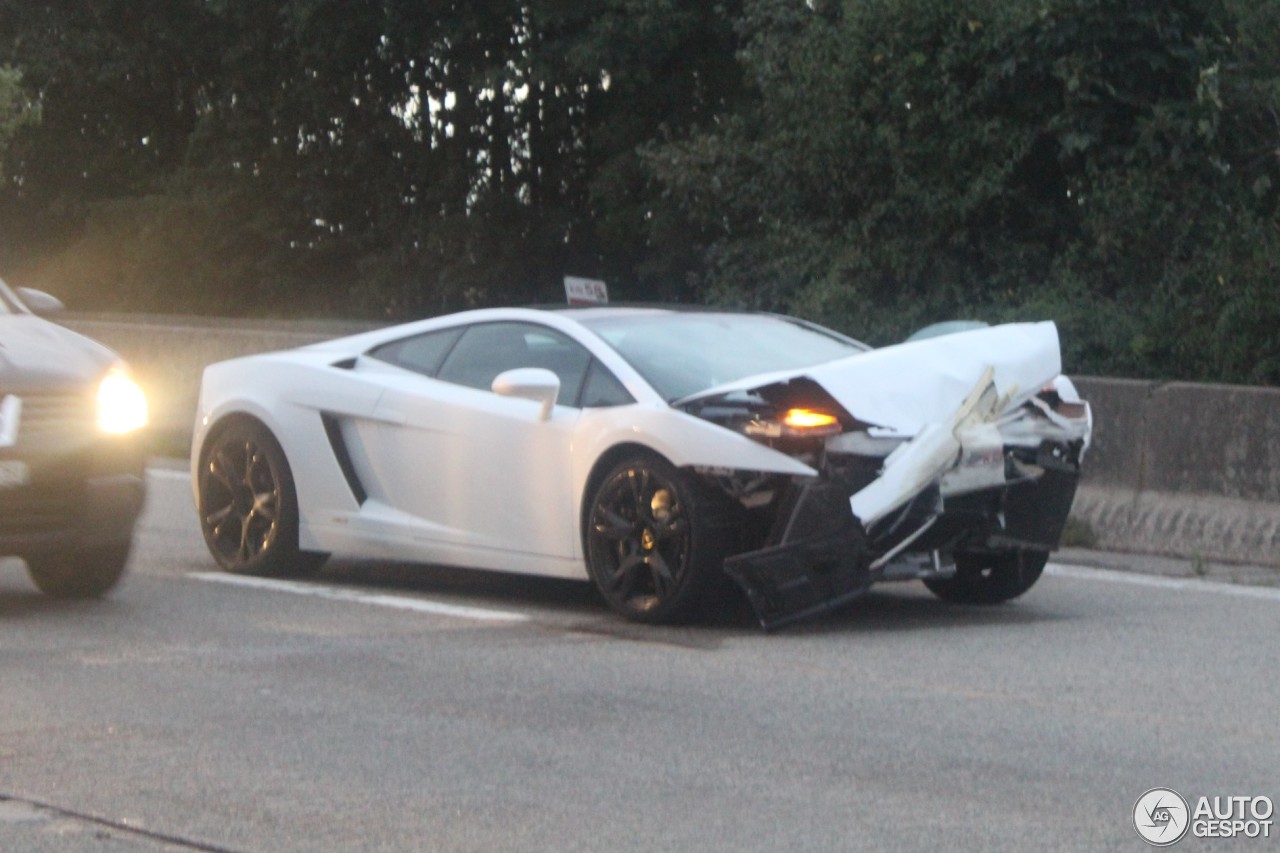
pixel 1184 469
pixel 1176 468
pixel 1186 438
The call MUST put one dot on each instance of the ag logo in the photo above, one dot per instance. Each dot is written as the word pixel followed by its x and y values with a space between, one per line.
pixel 1161 817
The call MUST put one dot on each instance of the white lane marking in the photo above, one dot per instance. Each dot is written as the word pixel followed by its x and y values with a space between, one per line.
pixel 331 593
pixel 169 474
pixel 1268 593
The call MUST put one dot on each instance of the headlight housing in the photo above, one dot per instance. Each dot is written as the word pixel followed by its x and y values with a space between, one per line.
pixel 795 423
pixel 122 405
pixel 797 420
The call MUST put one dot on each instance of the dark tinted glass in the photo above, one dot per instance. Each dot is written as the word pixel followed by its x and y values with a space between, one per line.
pixel 603 389
pixel 420 353
pixel 487 349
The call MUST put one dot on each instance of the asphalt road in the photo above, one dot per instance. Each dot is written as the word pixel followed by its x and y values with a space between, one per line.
pixel 386 707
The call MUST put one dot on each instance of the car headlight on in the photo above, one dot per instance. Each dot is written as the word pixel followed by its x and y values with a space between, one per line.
pixel 122 406
pixel 795 423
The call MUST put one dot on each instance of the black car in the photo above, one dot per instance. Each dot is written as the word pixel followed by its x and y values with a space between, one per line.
pixel 71 454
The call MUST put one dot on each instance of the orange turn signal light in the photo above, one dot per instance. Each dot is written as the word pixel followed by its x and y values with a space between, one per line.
pixel 808 420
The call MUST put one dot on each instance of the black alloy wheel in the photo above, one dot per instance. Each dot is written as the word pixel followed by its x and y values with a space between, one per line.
pixel 652 549
pixel 990 578
pixel 248 506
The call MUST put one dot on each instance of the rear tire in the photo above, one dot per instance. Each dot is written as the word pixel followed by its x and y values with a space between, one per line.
pixel 990 578
pixel 655 543
pixel 248 505
pixel 78 572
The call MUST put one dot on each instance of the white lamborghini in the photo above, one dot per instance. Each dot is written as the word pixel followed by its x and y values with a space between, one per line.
pixel 657 452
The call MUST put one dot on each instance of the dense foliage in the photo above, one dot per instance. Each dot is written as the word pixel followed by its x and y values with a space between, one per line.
pixel 876 164
pixel 17 108
pixel 381 158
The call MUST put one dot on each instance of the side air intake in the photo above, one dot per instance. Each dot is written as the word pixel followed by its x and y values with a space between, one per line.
pixel 333 430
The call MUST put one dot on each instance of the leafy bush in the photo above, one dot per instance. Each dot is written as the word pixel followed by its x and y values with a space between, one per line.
pixel 874 164
pixel 1108 164
pixel 17 108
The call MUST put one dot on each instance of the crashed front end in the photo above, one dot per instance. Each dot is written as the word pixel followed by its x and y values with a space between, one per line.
pixel 956 449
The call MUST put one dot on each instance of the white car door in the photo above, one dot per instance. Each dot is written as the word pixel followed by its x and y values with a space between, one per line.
pixel 465 467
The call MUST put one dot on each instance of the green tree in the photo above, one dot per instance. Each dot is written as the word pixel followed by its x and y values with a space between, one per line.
pixel 120 85
pixel 390 158
pixel 1107 164
pixel 17 109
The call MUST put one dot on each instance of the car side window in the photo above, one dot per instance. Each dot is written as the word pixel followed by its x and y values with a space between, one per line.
pixel 421 353
pixel 487 349
pixel 602 389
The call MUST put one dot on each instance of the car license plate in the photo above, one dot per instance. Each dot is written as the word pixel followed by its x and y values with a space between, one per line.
pixel 14 474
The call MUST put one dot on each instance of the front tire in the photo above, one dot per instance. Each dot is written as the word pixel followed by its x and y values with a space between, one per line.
pixel 655 547
pixel 248 504
pixel 990 578
pixel 78 572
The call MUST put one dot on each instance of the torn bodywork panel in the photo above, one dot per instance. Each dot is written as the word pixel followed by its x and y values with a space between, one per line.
pixel 968 444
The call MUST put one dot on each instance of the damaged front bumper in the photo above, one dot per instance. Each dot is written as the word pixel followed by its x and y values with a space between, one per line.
pixel 992 480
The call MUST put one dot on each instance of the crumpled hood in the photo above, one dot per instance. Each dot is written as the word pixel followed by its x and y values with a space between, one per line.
pixel 906 387
pixel 37 353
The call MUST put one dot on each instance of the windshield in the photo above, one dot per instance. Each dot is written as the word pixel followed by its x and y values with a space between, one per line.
pixel 683 353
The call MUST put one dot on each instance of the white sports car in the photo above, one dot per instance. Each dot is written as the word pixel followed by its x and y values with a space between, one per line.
pixel 657 452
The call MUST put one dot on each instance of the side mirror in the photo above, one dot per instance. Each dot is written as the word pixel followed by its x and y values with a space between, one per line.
pixel 40 302
pixel 529 383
